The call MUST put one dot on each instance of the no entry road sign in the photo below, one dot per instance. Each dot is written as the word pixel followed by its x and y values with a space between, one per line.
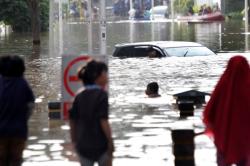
pixel 71 85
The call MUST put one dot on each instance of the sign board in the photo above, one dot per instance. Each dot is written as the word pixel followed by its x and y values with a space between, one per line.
pixel 71 85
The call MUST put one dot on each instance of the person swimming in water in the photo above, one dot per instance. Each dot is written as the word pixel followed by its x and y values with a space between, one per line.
pixel 152 90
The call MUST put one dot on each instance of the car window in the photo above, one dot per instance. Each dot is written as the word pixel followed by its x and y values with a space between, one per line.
pixel 188 51
pixel 123 52
pixel 140 51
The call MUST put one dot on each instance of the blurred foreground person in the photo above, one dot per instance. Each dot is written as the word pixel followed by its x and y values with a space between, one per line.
pixel 90 129
pixel 152 90
pixel 227 114
pixel 16 103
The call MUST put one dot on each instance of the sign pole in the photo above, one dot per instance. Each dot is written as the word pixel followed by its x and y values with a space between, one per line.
pixel 60 27
pixel 90 28
pixel 103 49
pixel 152 5
pixel 172 10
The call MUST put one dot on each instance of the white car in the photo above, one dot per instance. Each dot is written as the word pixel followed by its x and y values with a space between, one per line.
pixel 161 49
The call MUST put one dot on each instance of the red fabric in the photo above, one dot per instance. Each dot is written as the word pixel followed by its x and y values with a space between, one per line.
pixel 227 114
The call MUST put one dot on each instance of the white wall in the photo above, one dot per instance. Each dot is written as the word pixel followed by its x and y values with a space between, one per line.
pixel 207 2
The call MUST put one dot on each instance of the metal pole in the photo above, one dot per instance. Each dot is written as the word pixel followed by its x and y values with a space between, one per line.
pixel 80 10
pixel 222 6
pixel 246 25
pixel 246 15
pixel 130 8
pixel 130 4
pixel 152 5
pixel 103 49
pixel 60 27
pixel 220 36
pixel 51 29
pixel 152 31
pixel 90 29
pixel 172 31
pixel 172 10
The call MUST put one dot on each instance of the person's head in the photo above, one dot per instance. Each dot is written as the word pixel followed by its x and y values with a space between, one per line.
pixel 95 72
pixel 152 89
pixel 11 66
pixel 237 66
pixel 152 53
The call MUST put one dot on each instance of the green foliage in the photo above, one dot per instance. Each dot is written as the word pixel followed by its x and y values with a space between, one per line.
pixel 181 6
pixel 196 8
pixel 44 16
pixel 236 15
pixel 234 6
pixel 16 13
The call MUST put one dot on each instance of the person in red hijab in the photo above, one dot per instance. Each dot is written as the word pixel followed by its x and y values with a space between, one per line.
pixel 227 114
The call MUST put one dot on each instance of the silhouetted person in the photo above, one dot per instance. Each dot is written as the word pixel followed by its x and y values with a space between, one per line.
pixel 152 90
pixel 153 54
pixel 227 114
pixel 201 11
pixel 190 11
pixel 90 129
pixel 16 102
pixel 216 7
pixel 209 10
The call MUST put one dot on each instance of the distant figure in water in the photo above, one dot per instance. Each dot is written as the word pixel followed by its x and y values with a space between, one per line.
pixel 153 54
pixel 227 114
pixel 190 11
pixel 152 90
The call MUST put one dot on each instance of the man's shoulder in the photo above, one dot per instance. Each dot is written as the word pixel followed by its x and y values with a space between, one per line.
pixel 91 92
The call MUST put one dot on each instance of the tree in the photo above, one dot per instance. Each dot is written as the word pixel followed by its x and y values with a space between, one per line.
pixel 16 14
pixel 181 6
pixel 26 16
pixel 234 6
pixel 35 20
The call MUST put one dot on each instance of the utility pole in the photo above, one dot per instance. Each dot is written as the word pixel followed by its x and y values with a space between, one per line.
pixel 246 25
pixel 103 35
pixel 90 31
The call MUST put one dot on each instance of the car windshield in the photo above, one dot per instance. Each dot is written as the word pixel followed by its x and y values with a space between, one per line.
pixel 188 51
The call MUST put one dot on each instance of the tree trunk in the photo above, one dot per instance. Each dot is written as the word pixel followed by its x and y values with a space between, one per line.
pixel 35 20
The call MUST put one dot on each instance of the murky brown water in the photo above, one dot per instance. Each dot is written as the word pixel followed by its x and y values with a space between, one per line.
pixel 141 126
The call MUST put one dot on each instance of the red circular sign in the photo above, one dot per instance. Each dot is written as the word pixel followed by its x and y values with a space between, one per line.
pixel 66 73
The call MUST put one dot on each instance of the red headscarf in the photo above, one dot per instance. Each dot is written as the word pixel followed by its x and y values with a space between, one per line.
pixel 227 114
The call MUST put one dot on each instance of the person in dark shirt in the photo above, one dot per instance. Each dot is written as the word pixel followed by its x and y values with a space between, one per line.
pixel 16 102
pixel 90 129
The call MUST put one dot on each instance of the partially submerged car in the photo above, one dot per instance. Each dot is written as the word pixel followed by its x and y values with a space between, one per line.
pixel 161 49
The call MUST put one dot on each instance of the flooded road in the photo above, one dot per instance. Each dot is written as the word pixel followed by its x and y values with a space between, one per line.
pixel 141 126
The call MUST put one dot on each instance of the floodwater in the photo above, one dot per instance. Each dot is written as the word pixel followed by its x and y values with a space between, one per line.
pixel 141 126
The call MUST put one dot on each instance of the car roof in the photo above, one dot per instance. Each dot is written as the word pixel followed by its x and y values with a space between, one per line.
pixel 162 44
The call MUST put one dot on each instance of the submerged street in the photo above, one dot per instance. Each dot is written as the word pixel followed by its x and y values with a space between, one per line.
pixel 141 126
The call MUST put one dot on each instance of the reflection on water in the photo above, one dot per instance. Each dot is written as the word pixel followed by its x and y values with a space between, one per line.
pixel 141 126
pixel 218 36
